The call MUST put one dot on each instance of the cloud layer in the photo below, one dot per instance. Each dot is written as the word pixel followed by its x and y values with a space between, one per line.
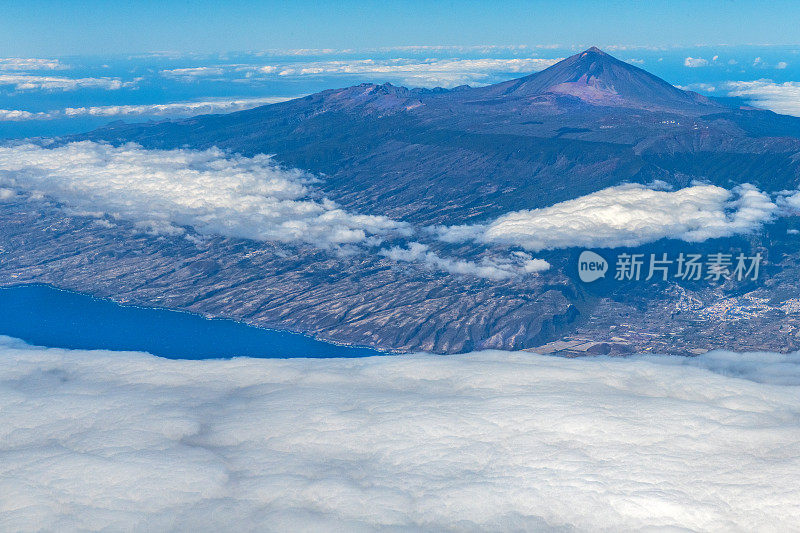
pixel 18 115
pixel 160 190
pixel 445 72
pixel 27 82
pixel 174 109
pixel 627 215
pixel 30 63
pixel 484 441
pixel 779 97
pixel 497 268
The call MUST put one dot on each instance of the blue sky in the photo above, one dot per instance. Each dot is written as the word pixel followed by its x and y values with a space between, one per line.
pixel 91 26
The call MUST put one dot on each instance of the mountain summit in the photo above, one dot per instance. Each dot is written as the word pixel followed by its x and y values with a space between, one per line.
pixel 598 78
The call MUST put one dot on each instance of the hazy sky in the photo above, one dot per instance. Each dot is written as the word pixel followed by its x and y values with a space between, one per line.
pixel 41 27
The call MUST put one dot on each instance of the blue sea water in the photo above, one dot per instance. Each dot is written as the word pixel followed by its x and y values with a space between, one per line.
pixel 46 316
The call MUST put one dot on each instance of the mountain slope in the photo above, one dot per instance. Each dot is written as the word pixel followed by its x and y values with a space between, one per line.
pixel 600 79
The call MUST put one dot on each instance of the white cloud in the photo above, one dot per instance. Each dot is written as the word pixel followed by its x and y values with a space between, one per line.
pixel 484 441
pixel 627 215
pixel 265 69
pixel 305 51
pixel 698 87
pixel 361 66
pixel 622 47
pixel 233 196
pixel 779 97
pixel 791 200
pixel 193 72
pixel 18 115
pixel 30 63
pixel 177 108
pixel 427 73
pixel 443 72
pixel 694 62
pixel 781 65
pixel 474 49
pixel 27 82
pixel 174 109
pixel 496 268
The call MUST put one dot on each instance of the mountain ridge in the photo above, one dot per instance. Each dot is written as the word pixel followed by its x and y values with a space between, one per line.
pixel 593 77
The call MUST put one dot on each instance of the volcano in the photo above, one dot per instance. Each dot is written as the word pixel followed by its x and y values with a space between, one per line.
pixel 598 78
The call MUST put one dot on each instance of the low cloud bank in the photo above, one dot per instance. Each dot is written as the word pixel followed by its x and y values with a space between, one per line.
pixel 160 190
pixel 19 115
pixel 28 82
pixel 173 109
pixel 627 215
pixel 482 441
pixel 497 268
pixel 30 63
pixel 176 108
pixel 444 72
pixel 779 97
